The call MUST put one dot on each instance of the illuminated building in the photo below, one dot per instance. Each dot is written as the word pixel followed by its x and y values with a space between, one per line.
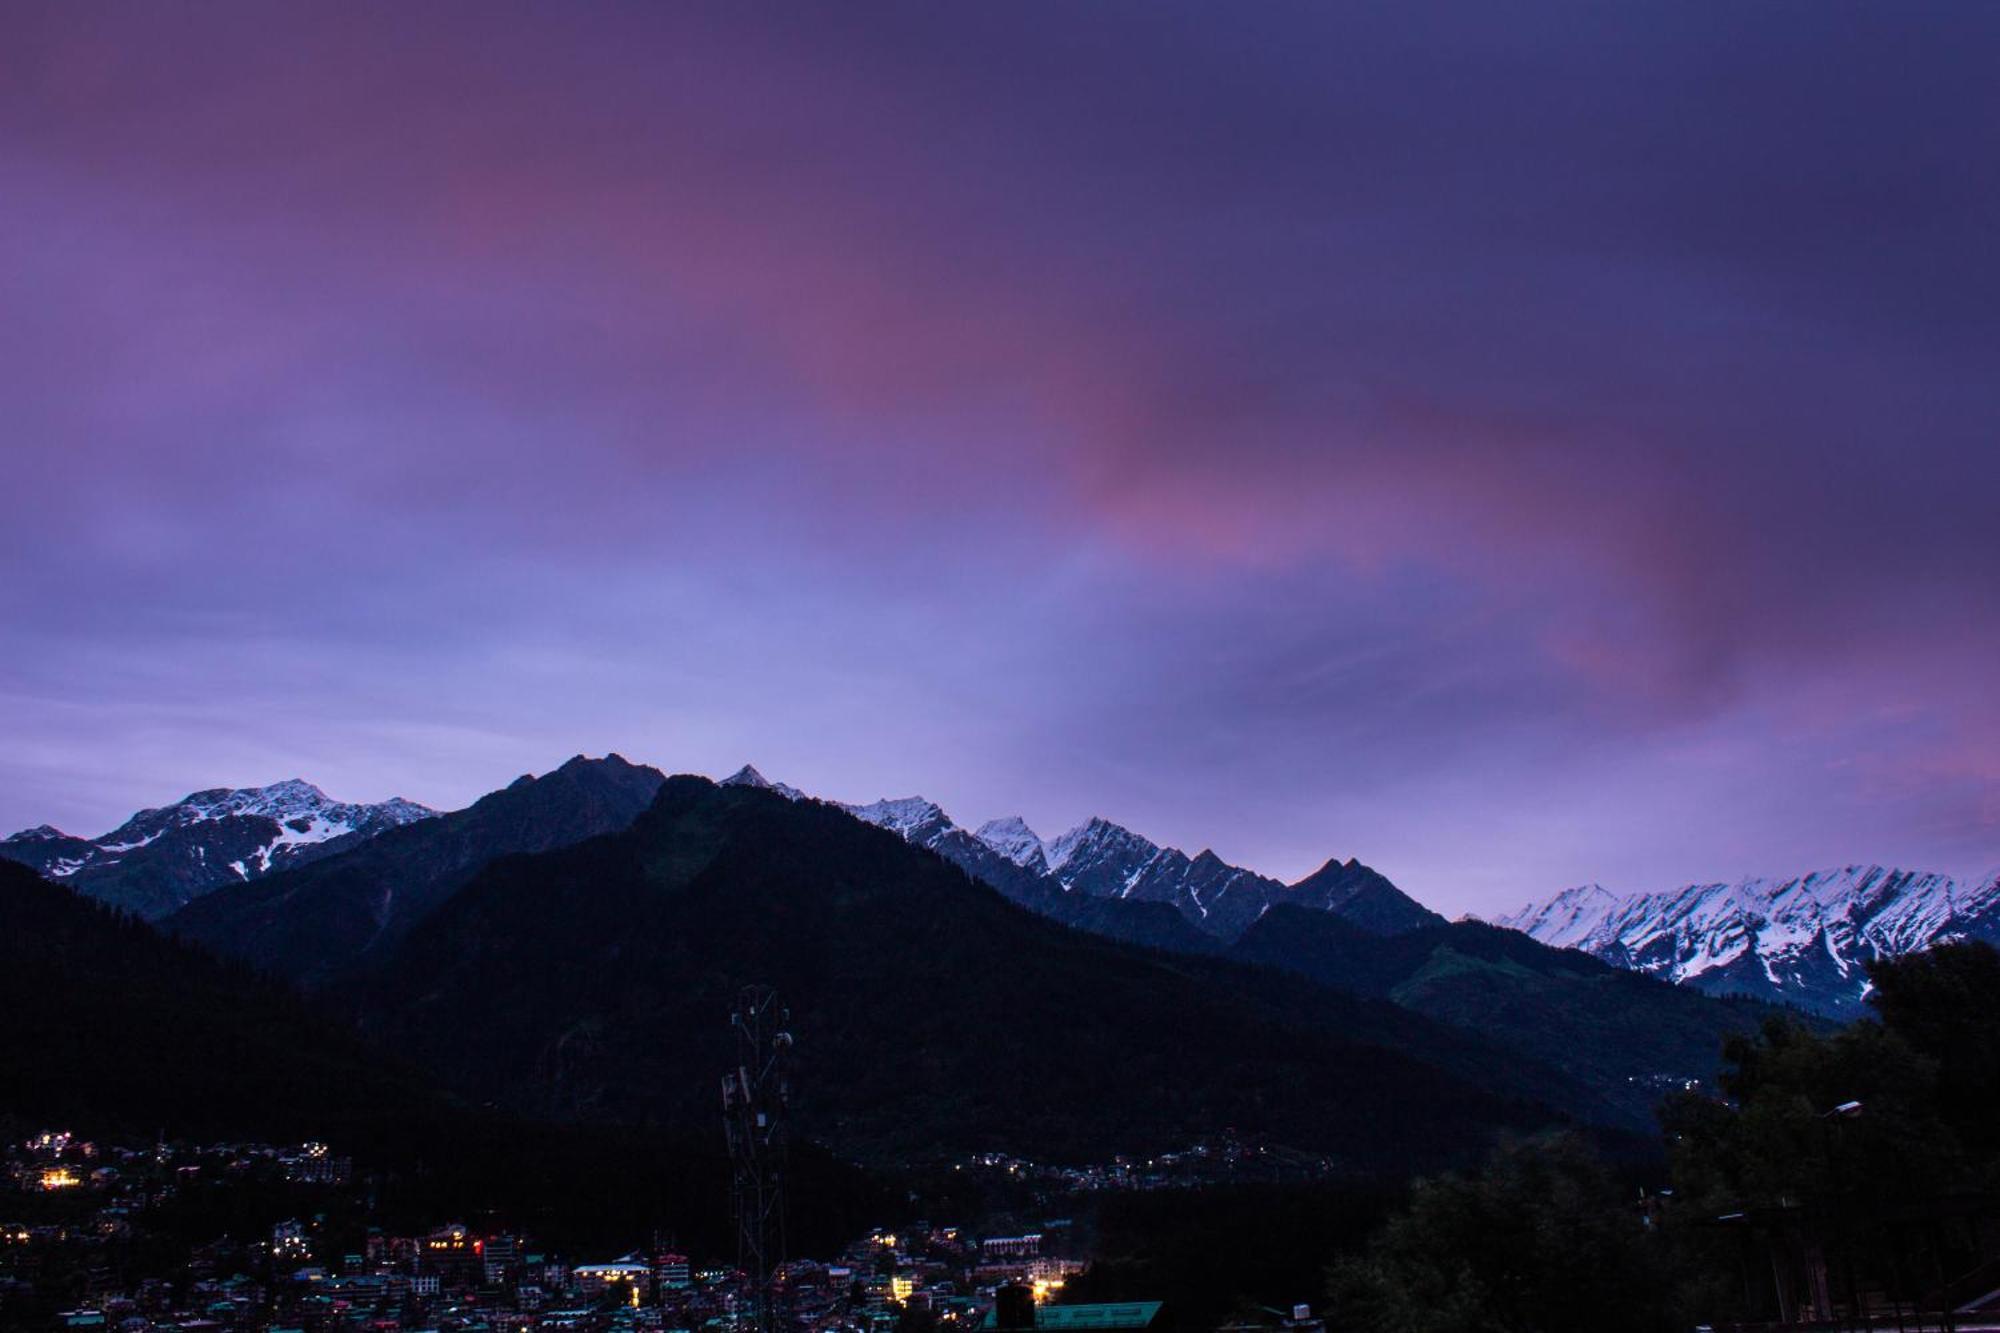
pixel 631 1272
pixel 1011 1247
pixel 453 1253
pixel 502 1255
pixel 671 1272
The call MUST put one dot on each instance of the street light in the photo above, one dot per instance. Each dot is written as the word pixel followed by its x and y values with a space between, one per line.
pixel 1845 1111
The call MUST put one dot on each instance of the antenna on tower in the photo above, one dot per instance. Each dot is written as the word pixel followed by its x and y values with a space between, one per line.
pixel 755 1097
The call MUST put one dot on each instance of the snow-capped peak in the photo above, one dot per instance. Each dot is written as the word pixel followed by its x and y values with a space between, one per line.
pixel 1013 839
pixel 905 816
pixel 208 838
pixel 1097 835
pixel 280 801
pixel 1805 939
pixel 308 812
pixel 1565 920
pixel 748 776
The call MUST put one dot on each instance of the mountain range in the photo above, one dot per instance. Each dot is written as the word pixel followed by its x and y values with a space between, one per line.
pixel 1804 941
pixel 1105 861
pixel 586 982
pixel 1524 1022
pixel 1347 927
pixel 161 859
pixel 933 1016
pixel 318 923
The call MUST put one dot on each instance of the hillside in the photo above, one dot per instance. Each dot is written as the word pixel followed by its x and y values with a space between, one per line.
pixel 933 1017
pixel 1630 1036
pixel 115 1030
pixel 111 1024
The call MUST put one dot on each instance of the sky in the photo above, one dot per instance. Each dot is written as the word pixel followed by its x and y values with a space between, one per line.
pixel 1513 445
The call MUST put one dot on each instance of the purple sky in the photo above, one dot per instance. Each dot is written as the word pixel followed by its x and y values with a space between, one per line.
pixel 1511 446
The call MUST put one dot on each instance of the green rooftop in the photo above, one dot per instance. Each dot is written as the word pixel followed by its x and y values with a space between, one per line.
pixel 1115 1314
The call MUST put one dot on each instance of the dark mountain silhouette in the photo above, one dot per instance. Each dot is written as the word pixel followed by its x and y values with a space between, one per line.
pixel 1630 1036
pixel 106 1020
pixel 1105 863
pixel 1576 1034
pixel 319 924
pixel 933 1017
pixel 114 1029
pixel 1361 896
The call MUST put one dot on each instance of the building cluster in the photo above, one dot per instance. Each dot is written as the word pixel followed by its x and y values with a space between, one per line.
pixel 84 1256
pixel 1226 1159
pixel 54 1162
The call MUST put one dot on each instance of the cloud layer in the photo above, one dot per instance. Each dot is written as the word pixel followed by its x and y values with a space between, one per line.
pixel 1512 449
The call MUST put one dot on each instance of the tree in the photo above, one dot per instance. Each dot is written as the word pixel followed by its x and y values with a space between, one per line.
pixel 1835 1141
pixel 1539 1240
pixel 1945 1002
pixel 1777 1140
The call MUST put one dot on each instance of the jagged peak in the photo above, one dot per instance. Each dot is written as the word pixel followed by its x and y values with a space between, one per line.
pixel 902 815
pixel 613 771
pixel 41 833
pixel 611 760
pixel 403 806
pixel 1333 866
pixel 1097 831
pixel 1011 837
pixel 748 776
pixel 1775 932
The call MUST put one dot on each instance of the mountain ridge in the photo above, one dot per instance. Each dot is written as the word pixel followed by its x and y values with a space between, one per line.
pixel 894 962
pixel 1804 939
pixel 164 857
pixel 1106 862
pixel 316 924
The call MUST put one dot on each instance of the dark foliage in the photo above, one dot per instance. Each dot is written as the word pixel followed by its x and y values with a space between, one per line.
pixel 1542 1239
pixel 1945 1002
pixel 112 1029
pixel 106 1019
pixel 1866 1146
pixel 1212 1253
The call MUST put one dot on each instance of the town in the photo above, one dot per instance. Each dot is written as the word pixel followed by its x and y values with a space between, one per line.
pixel 100 1241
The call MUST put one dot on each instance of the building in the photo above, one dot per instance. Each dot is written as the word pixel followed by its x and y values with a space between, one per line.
pixel 671 1272
pixel 627 1273
pixel 996 1249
